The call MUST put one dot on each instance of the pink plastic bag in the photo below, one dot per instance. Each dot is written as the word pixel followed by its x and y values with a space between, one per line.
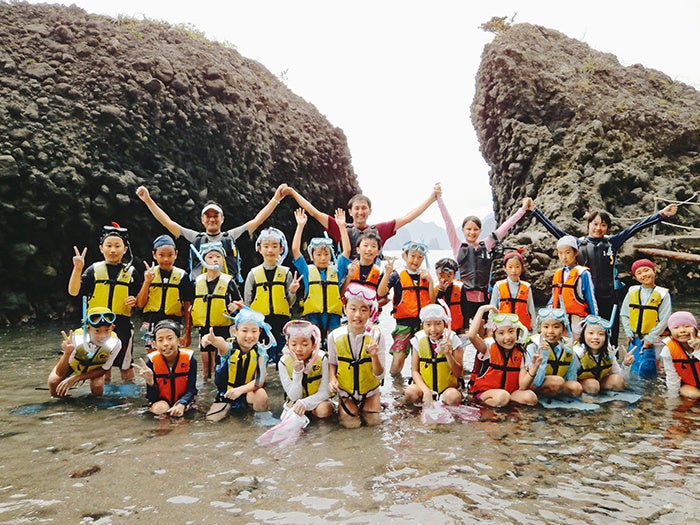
pixel 465 413
pixel 436 414
pixel 286 432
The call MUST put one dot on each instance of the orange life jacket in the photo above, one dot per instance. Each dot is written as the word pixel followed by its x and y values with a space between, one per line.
pixel 565 292
pixel 372 278
pixel 502 370
pixel 172 384
pixel 515 305
pixel 413 297
pixel 454 301
pixel 687 367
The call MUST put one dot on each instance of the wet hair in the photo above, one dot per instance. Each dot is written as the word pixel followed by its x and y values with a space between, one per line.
pixel 357 198
pixel 472 218
pixel 370 235
pixel 446 263
pixel 604 216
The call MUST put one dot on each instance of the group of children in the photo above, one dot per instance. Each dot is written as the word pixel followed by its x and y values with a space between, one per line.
pixel 335 355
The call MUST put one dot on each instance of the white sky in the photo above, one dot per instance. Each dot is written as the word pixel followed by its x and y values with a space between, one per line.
pixel 398 76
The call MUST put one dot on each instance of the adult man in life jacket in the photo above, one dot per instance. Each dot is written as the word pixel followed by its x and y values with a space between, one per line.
pixel 212 218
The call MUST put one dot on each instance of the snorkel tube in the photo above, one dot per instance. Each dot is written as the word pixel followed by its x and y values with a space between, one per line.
pixel 201 259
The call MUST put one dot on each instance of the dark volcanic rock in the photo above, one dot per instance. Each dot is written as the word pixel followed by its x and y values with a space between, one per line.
pixel 92 107
pixel 575 130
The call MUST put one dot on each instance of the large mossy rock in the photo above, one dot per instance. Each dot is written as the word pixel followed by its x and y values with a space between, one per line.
pixel 91 107
pixel 572 128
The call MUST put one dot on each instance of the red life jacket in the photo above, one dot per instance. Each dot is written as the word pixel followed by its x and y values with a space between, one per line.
pixel 565 292
pixel 413 297
pixel 687 367
pixel 172 384
pixel 515 305
pixel 502 370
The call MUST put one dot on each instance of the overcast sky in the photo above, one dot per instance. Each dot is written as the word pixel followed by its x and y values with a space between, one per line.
pixel 398 76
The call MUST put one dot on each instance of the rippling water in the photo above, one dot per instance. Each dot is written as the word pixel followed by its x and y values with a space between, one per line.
pixel 619 464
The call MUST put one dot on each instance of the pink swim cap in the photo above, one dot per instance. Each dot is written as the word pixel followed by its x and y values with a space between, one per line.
pixel 682 318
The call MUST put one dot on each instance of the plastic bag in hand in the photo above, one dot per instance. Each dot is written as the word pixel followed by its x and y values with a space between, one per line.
pixel 286 432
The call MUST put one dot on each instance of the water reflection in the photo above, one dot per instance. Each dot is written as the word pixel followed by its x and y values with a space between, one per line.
pixel 618 464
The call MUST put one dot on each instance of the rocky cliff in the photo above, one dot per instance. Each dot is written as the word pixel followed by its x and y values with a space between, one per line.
pixel 574 129
pixel 92 107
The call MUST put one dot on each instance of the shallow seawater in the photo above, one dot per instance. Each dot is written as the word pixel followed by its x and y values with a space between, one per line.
pixel 622 463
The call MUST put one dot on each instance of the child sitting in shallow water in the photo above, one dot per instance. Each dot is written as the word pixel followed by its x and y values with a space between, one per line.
pixel 303 370
pixel 598 369
pixel 681 356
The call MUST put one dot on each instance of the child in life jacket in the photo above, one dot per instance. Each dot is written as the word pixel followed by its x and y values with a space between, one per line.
pixel 356 359
pixel 598 367
pixel 512 295
pixel 501 373
pixel 113 285
pixel 303 370
pixel 88 353
pixel 558 372
pixel 412 289
pixel 322 280
pixel 215 296
pixel 436 361
pixel 241 372
pixel 167 292
pixel 364 270
pixel 452 291
pixel 681 356
pixel 270 288
pixel 643 316
pixel 572 286
pixel 170 372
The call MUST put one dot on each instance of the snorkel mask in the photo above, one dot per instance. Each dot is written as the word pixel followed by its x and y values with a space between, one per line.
pixel 307 330
pixel 273 234
pixel 413 246
pixel 321 242
pixel 366 295
pixel 117 231
pixel 554 314
pixel 502 320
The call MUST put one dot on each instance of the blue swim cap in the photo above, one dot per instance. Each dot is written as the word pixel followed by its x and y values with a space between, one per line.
pixel 163 240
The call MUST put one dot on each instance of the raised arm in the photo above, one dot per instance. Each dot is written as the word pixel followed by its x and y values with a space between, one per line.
pixel 344 237
pixel 548 224
pixel 502 230
pixel 267 210
pixel 157 212
pixel 618 239
pixel 321 217
pixel 475 325
pixel 300 217
pixel 452 235
pixel 417 211
pixel 78 265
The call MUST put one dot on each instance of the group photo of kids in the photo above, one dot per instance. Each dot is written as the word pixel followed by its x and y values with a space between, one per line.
pixel 460 337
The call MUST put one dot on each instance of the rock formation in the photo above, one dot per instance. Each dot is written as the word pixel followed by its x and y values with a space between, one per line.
pixel 571 127
pixel 92 107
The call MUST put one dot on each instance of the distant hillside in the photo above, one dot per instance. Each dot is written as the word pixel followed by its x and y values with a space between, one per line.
pixel 431 234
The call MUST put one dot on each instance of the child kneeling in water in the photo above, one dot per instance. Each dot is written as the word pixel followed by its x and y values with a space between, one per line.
pixel 240 375
pixel 501 374
pixel 436 360
pixel 557 373
pixel 598 369
pixel 356 359
pixel 681 356
pixel 88 354
pixel 170 372
pixel 303 370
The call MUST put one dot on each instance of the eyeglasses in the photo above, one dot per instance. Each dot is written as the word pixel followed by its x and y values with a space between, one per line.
pixel 412 246
pixel 97 319
pixel 556 314
pixel 594 319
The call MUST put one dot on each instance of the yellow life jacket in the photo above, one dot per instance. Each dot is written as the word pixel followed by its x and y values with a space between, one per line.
pixel 270 297
pixel 84 361
pixel 111 294
pixel 644 317
pixel 323 296
pixel 209 310
pixel 354 375
pixel 434 368
pixel 242 366
pixel 165 296
pixel 311 380
pixel 558 366
pixel 595 368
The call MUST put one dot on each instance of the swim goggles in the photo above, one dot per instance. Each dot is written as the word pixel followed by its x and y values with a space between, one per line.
pixel 305 329
pixel 273 234
pixel 363 293
pixel 551 314
pixel 101 318
pixel 215 246
pixel 595 319
pixel 412 246
pixel 320 242
pixel 114 230
pixel 247 315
